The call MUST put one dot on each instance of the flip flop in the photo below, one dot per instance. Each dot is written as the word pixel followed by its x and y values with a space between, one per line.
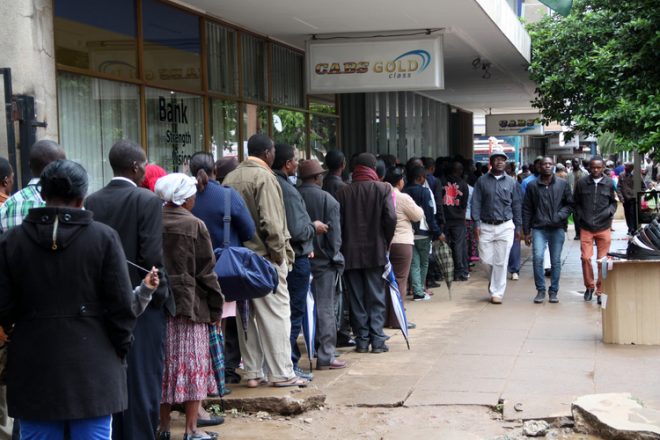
pixel 295 381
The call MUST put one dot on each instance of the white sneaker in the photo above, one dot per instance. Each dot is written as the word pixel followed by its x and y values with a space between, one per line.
pixel 426 297
pixel 514 276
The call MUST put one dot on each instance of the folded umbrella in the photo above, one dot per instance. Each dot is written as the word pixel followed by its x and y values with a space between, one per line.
pixel 445 259
pixel 397 302
pixel 309 323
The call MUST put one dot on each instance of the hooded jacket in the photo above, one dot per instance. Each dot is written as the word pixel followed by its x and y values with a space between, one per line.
pixel 64 287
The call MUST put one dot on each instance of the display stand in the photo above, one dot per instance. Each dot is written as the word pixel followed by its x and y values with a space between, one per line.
pixel 631 313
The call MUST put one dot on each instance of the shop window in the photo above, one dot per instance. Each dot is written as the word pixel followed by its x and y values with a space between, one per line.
pixel 175 128
pixel 171 46
pixel 224 128
pixel 288 77
pixel 93 115
pixel 323 104
pixel 222 64
pixel 322 136
pixel 255 72
pixel 289 128
pixel 97 36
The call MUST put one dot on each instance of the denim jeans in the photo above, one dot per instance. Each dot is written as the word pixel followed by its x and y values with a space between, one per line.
pixel 514 257
pixel 298 282
pixel 554 238
pixel 96 428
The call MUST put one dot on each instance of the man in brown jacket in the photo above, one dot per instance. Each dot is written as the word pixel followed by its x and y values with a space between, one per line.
pixel 269 324
pixel 368 220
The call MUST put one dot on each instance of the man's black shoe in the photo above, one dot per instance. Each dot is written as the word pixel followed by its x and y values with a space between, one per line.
pixel 232 378
pixel 539 298
pixel 588 294
pixel 362 348
pixel 432 284
pixel 598 299
pixel 346 343
pixel 380 349
pixel 553 297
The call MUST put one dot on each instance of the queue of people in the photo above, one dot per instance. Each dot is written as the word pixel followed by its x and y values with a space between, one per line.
pixel 118 290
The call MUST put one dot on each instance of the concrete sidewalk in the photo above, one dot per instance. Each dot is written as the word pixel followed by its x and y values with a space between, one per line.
pixel 538 358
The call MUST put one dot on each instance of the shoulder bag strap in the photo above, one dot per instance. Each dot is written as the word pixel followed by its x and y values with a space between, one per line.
pixel 227 217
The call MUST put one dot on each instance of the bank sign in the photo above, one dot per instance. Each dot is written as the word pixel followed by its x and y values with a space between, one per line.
pixel 374 66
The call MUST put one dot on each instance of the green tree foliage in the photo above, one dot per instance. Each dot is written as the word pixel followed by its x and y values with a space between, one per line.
pixel 598 70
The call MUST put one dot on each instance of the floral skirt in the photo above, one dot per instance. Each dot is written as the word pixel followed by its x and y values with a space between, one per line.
pixel 187 375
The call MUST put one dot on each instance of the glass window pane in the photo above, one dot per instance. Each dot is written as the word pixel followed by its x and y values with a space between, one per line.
pixel 322 136
pixel 93 115
pixel 288 77
pixel 224 128
pixel 222 64
pixel 289 128
pixel 171 46
pixel 175 128
pixel 326 104
pixel 97 36
pixel 255 72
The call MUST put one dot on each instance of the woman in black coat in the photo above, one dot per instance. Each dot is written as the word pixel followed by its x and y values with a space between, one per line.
pixel 66 297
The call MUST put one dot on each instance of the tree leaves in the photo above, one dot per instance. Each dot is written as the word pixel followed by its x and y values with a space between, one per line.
pixel 597 70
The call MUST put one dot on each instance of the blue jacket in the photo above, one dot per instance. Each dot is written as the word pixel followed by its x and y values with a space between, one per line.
pixel 422 196
pixel 210 208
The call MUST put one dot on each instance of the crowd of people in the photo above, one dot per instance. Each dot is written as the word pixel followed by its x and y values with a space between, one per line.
pixel 116 290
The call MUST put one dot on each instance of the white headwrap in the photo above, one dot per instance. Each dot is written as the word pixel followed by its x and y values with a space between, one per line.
pixel 176 188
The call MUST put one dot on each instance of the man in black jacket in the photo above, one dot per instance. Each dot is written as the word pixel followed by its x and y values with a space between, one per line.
pixel 336 163
pixel 136 214
pixel 595 206
pixel 548 203
pixel 302 230
pixel 455 194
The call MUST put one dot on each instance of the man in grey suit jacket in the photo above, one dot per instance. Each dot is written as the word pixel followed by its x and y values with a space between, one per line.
pixel 136 214
pixel 327 264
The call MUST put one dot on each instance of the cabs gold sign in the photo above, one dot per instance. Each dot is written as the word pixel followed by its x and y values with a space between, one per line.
pixel 407 63
pixel 367 65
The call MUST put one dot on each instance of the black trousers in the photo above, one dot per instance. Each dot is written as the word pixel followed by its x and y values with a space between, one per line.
pixel 232 350
pixel 455 233
pixel 366 289
pixel 144 379
pixel 629 210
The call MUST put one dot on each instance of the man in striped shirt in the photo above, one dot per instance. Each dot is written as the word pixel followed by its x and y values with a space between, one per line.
pixel 16 208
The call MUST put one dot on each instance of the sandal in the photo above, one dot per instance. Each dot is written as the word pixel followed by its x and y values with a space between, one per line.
pixel 295 381
pixel 253 383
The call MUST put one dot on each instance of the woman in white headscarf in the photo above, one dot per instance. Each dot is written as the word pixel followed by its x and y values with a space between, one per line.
pixel 189 261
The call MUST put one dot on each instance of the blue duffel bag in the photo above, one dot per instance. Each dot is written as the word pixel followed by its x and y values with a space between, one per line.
pixel 242 273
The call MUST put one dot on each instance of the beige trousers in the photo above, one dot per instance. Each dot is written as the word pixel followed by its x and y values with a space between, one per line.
pixel 266 342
